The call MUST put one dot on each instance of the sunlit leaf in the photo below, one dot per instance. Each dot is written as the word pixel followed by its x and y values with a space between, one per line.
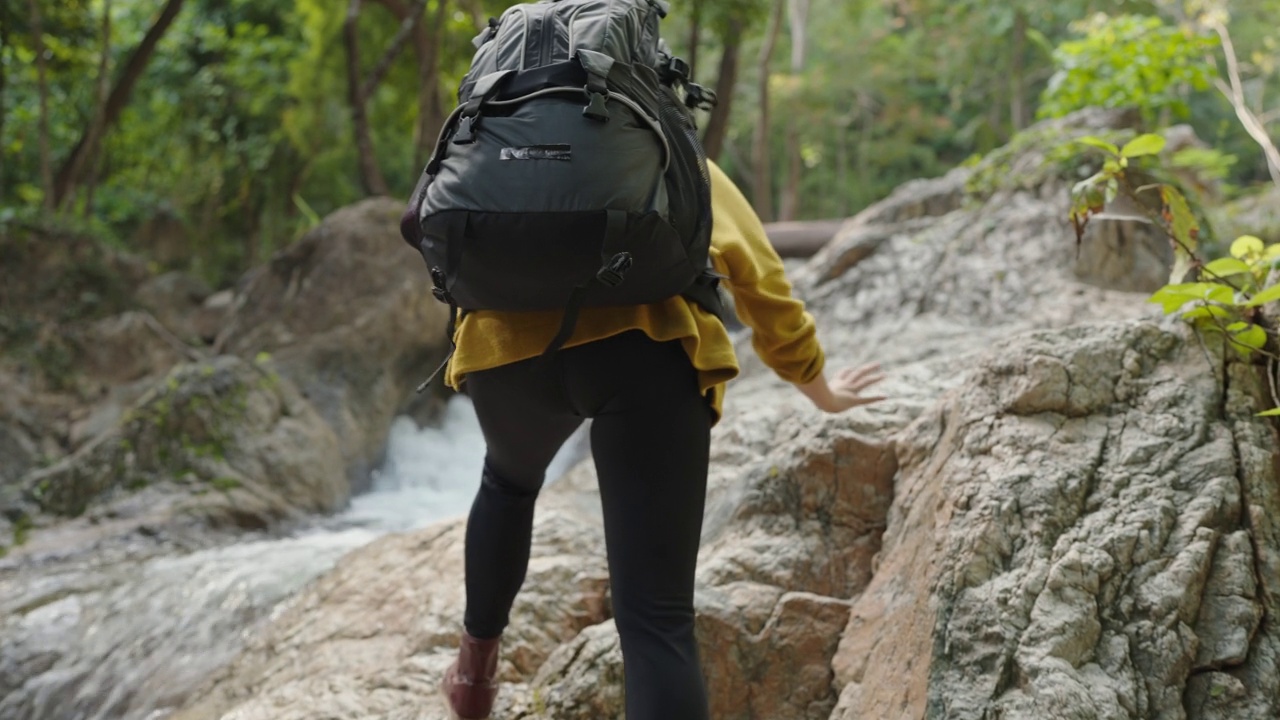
pixel 1267 295
pixel 1252 336
pixel 1226 267
pixel 1099 143
pixel 1207 312
pixel 1247 245
pixel 1173 297
pixel 1149 144
pixel 1273 412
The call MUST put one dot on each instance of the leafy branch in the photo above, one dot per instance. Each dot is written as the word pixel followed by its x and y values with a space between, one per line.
pixel 1226 295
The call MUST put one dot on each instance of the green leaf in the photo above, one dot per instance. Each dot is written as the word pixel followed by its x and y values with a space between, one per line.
pixel 1148 144
pixel 1252 337
pixel 1173 297
pixel 1099 143
pixel 1182 222
pixel 1207 312
pixel 1273 412
pixel 1270 294
pixel 1246 245
pixel 1226 267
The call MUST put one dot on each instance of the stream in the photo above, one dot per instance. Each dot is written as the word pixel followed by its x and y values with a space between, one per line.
pixel 131 640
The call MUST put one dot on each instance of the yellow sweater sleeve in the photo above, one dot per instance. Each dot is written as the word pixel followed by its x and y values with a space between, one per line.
pixel 783 332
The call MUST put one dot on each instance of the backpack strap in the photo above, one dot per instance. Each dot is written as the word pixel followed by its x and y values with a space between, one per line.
pixel 443 295
pixel 705 291
pixel 598 66
pixel 486 88
pixel 617 261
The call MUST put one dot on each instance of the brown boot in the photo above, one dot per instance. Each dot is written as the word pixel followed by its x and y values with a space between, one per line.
pixel 470 684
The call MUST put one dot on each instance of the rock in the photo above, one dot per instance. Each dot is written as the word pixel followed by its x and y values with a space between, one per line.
pixel 128 347
pixel 1057 514
pixel 802 514
pixel 1057 548
pixel 348 316
pixel 239 440
pixel 1255 214
pixel 372 638
pixel 175 298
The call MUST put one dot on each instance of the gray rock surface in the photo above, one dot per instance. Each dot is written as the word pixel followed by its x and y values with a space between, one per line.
pixel 347 314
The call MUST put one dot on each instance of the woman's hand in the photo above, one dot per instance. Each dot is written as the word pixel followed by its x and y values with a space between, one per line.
pixel 845 389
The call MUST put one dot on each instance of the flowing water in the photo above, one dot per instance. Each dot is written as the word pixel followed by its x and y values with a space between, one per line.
pixel 131 640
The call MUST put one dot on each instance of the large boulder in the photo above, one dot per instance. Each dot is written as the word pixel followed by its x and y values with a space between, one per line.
pixel 1088 527
pixel 347 314
pixel 236 439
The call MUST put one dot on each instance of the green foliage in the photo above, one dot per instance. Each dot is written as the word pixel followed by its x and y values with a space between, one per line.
pixel 1224 296
pixel 1129 61
pixel 238 137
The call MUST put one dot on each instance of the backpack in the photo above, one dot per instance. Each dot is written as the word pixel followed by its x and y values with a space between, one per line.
pixel 571 173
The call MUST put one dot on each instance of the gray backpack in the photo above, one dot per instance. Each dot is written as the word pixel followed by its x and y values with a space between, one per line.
pixel 571 173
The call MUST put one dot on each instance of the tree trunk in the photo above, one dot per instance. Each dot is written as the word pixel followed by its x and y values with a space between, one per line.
pixel 42 76
pixel 789 206
pixel 359 92
pixel 71 174
pixel 104 87
pixel 762 176
pixel 431 114
pixel 370 175
pixel 4 44
pixel 695 38
pixel 426 46
pixel 1018 115
pixel 726 81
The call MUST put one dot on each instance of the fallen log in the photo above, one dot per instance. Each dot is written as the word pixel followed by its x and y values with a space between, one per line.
pixel 801 239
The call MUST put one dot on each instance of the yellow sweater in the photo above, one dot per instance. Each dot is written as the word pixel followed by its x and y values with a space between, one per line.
pixel 783 332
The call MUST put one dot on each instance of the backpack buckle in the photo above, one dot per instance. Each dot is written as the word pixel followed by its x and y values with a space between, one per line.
pixel 597 90
pixel 613 272
pixel 466 132
pixel 698 97
pixel 439 284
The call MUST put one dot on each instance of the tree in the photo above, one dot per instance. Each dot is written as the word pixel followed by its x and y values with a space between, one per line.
pixel 798 14
pixel 42 70
pixel 360 91
pixel 84 155
pixel 726 84
pixel 762 174
pixel 426 45
pixel 104 84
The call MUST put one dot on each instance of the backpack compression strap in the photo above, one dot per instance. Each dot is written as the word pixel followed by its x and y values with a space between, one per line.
pixel 611 274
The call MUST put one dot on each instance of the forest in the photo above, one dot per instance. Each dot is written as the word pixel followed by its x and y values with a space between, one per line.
pixel 205 134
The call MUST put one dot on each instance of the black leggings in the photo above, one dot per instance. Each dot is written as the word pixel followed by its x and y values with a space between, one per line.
pixel 650 437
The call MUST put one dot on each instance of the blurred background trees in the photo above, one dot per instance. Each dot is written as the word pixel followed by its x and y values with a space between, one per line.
pixel 204 134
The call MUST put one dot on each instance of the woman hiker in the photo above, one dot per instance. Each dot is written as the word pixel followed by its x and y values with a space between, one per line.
pixel 652 379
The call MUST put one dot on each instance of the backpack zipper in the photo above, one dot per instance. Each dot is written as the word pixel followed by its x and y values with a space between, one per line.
pixel 546 36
